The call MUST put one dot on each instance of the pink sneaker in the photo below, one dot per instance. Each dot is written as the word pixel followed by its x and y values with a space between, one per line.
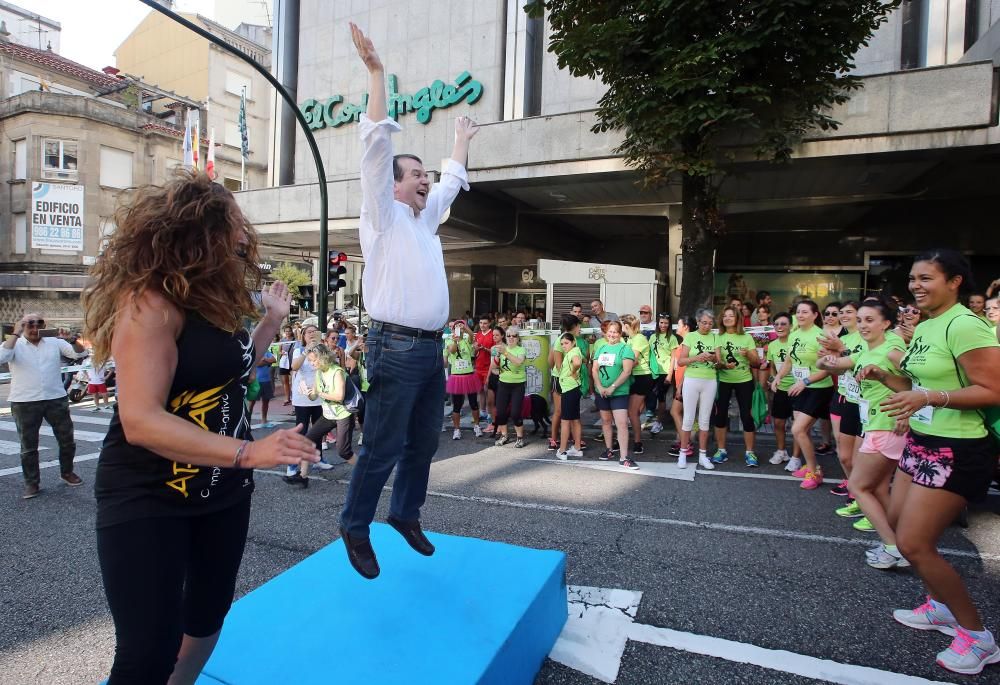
pixel 801 473
pixel 811 481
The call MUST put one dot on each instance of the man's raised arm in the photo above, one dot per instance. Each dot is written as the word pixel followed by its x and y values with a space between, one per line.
pixel 376 73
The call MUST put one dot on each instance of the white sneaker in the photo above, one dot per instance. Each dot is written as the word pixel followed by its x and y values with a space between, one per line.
pixel 793 465
pixel 968 655
pixel 322 466
pixel 562 456
pixel 780 456
pixel 477 430
pixel 928 617
pixel 682 460
pixel 573 452
pixel 882 558
pixel 705 463
pixel 456 434
pixel 96 408
pixel 656 428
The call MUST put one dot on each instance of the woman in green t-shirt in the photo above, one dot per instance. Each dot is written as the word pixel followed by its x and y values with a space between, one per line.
pixel 613 362
pixel 642 377
pixel 329 386
pixel 663 342
pixel 810 392
pixel 462 379
pixel 568 324
pixel 700 359
pixel 571 372
pixel 950 377
pixel 882 446
pixel 781 403
pixel 737 357
pixel 511 359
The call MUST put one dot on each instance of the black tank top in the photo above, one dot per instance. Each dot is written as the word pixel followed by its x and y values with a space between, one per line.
pixel 209 390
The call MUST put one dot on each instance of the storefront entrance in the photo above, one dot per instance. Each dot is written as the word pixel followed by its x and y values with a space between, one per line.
pixel 519 300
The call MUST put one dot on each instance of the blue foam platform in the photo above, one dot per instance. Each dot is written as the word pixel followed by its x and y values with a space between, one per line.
pixel 475 612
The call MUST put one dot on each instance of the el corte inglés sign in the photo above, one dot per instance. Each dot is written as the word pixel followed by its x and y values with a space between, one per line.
pixel 334 112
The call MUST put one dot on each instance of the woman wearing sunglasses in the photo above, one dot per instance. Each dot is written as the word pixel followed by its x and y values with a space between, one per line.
pixel 511 358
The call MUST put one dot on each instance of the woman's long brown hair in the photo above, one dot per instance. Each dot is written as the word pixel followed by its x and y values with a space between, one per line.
pixel 178 240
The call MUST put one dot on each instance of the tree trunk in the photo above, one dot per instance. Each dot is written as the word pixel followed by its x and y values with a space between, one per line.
pixel 700 227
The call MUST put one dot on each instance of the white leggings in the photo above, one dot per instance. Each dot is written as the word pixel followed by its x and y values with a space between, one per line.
pixel 699 396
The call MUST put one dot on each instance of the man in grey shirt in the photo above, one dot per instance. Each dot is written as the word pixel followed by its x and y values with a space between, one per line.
pixel 600 313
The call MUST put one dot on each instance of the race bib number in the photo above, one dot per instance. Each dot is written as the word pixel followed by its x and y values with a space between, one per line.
pixel 924 415
pixel 863 409
pixel 461 366
pixel 801 373
pixel 606 359
pixel 852 389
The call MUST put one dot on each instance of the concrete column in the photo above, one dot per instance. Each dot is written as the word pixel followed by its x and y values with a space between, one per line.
pixel 285 60
pixel 674 213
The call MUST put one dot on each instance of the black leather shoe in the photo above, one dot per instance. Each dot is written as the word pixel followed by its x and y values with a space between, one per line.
pixel 361 555
pixel 413 535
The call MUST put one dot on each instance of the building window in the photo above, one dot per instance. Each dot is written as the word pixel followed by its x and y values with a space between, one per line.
pixel 116 168
pixel 59 159
pixel 232 134
pixel 232 184
pixel 20 158
pixel 235 83
pixel 20 233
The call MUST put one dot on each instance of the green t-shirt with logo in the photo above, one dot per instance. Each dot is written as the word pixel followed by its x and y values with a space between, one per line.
pixel 363 372
pixel 846 384
pixel 729 345
pixel 324 383
pixel 777 354
pixel 460 361
pixel 697 343
pixel 640 347
pixel 566 379
pixel 663 345
pixel 931 362
pixel 871 391
pixel 804 351
pixel 275 350
pixel 609 360
pixel 511 372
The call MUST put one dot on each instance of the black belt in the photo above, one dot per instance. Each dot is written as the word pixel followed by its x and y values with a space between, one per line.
pixel 406 330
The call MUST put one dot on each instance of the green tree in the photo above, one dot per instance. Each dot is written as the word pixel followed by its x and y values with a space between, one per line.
pixel 292 276
pixel 689 82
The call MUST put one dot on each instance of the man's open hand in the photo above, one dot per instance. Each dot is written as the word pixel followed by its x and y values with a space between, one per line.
pixel 465 128
pixel 366 49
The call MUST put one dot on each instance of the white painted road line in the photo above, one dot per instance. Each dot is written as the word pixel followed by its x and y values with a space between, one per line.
pixel 101 418
pixel 50 464
pixel 737 474
pixel 11 447
pixel 774 659
pixel 86 436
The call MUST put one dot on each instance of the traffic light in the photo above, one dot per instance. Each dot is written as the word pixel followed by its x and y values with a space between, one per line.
pixel 335 261
pixel 305 298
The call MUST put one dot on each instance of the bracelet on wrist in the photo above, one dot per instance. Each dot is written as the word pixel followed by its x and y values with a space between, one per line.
pixel 240 453
pixel 927 397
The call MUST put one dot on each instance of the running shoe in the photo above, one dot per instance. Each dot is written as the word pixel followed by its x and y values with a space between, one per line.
pixel 491 428
pixel 561 456
pixel 801 471
pixel 675 449
pixel 656 428
pixel 552 447
pixel 583 444
pixel 851 511
pixel 573 452
pixel 477 430
pixel 520 443
pixel 323 466
pixel 682 460
pixel 96 408
pixel 883 558
pixel 825 448
pixel 840 489
pixel 864 525
pixel 704 462
pixel 720 457
pixel 750 458
pixel 502 440
pixel 456 434
pixel 607 455
pixel 780 456
pixel 929 616
pixel 637 448
pixel 968 654
pixel 793 465
pixel 811 481
pixel 629 464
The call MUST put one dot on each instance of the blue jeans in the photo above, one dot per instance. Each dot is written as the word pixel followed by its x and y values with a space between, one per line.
pixel 403 415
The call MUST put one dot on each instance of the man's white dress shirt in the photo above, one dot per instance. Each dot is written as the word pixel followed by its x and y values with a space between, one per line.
pixel 35 370
pixel 404 277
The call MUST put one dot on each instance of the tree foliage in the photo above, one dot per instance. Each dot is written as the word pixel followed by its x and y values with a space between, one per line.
pixel 292 276
pixel 689 80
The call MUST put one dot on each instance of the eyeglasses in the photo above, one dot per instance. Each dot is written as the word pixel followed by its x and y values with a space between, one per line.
pixel 35 322
pixel 645 311
pixel 831 313
pixel 909 310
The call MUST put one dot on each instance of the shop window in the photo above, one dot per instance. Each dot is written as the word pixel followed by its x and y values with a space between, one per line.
pixel 59 159
pixel 116 168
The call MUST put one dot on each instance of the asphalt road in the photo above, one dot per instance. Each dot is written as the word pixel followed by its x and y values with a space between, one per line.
pixel 752 560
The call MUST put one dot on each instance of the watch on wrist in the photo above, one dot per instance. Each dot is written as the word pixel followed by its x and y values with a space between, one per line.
pixel 806 382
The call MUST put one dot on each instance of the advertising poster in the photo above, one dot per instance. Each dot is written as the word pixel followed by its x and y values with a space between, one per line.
pixel 539 379
pixel 821 286
pixel 57 216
